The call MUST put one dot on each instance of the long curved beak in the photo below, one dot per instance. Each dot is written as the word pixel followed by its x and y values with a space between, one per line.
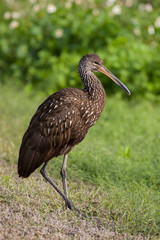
pixel 105 71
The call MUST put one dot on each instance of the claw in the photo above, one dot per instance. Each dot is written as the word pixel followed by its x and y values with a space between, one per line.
pixel 70 205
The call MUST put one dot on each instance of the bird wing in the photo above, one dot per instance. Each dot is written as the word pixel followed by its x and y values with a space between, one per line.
pixel 49 133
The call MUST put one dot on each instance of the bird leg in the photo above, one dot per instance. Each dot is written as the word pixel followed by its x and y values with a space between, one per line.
pixel 45 175
pixel 68 202
pixel 64 181
pixel 64 175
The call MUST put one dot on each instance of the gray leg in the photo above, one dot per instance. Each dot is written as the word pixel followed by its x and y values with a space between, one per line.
pixel 44 174
pixel 64 175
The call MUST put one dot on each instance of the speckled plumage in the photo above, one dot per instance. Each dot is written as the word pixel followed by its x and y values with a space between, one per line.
pixel 61 122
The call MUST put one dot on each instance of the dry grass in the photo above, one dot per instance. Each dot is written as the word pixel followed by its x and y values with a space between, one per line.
pixel 31 209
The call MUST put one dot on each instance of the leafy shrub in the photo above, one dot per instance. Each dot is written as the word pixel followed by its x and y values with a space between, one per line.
pixel 41 45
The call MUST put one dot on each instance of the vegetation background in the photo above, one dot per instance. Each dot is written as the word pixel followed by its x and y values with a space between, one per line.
pixel 41 42
pixel 42 39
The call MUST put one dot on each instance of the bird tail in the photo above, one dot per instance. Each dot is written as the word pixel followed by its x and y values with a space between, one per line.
pixel 28 161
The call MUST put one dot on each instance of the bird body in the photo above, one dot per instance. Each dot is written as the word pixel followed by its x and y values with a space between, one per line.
pixel 61 122
pixel 63 119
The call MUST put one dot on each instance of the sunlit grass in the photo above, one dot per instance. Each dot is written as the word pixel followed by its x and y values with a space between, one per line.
pixel 114 174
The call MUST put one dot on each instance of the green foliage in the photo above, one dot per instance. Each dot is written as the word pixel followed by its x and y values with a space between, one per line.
pixel 41 45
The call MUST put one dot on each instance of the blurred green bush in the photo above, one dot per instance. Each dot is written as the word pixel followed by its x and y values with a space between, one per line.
pixel 41 42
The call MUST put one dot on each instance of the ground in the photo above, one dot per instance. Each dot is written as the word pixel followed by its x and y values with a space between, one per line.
pixel 31 210
pixel 113 176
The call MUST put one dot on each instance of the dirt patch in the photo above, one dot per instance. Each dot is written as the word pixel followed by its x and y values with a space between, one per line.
pixel 19 223
pixel 30 209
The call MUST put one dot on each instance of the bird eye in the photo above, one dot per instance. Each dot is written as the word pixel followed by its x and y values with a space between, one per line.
pixel 96 62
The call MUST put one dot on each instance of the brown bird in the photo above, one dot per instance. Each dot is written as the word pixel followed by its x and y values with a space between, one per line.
pixel 62 121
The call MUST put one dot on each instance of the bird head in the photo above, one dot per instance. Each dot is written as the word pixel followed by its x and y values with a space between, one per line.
pixel 92 62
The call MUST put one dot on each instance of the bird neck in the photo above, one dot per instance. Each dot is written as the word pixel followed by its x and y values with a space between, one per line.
pixel 92 85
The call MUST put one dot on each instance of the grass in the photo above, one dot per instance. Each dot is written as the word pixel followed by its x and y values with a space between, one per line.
pixel 113 175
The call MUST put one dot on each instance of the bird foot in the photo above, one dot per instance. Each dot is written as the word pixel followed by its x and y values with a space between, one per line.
pixel 70 205
pixel 79 213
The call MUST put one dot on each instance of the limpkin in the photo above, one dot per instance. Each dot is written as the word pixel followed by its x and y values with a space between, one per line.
pixel 63 120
